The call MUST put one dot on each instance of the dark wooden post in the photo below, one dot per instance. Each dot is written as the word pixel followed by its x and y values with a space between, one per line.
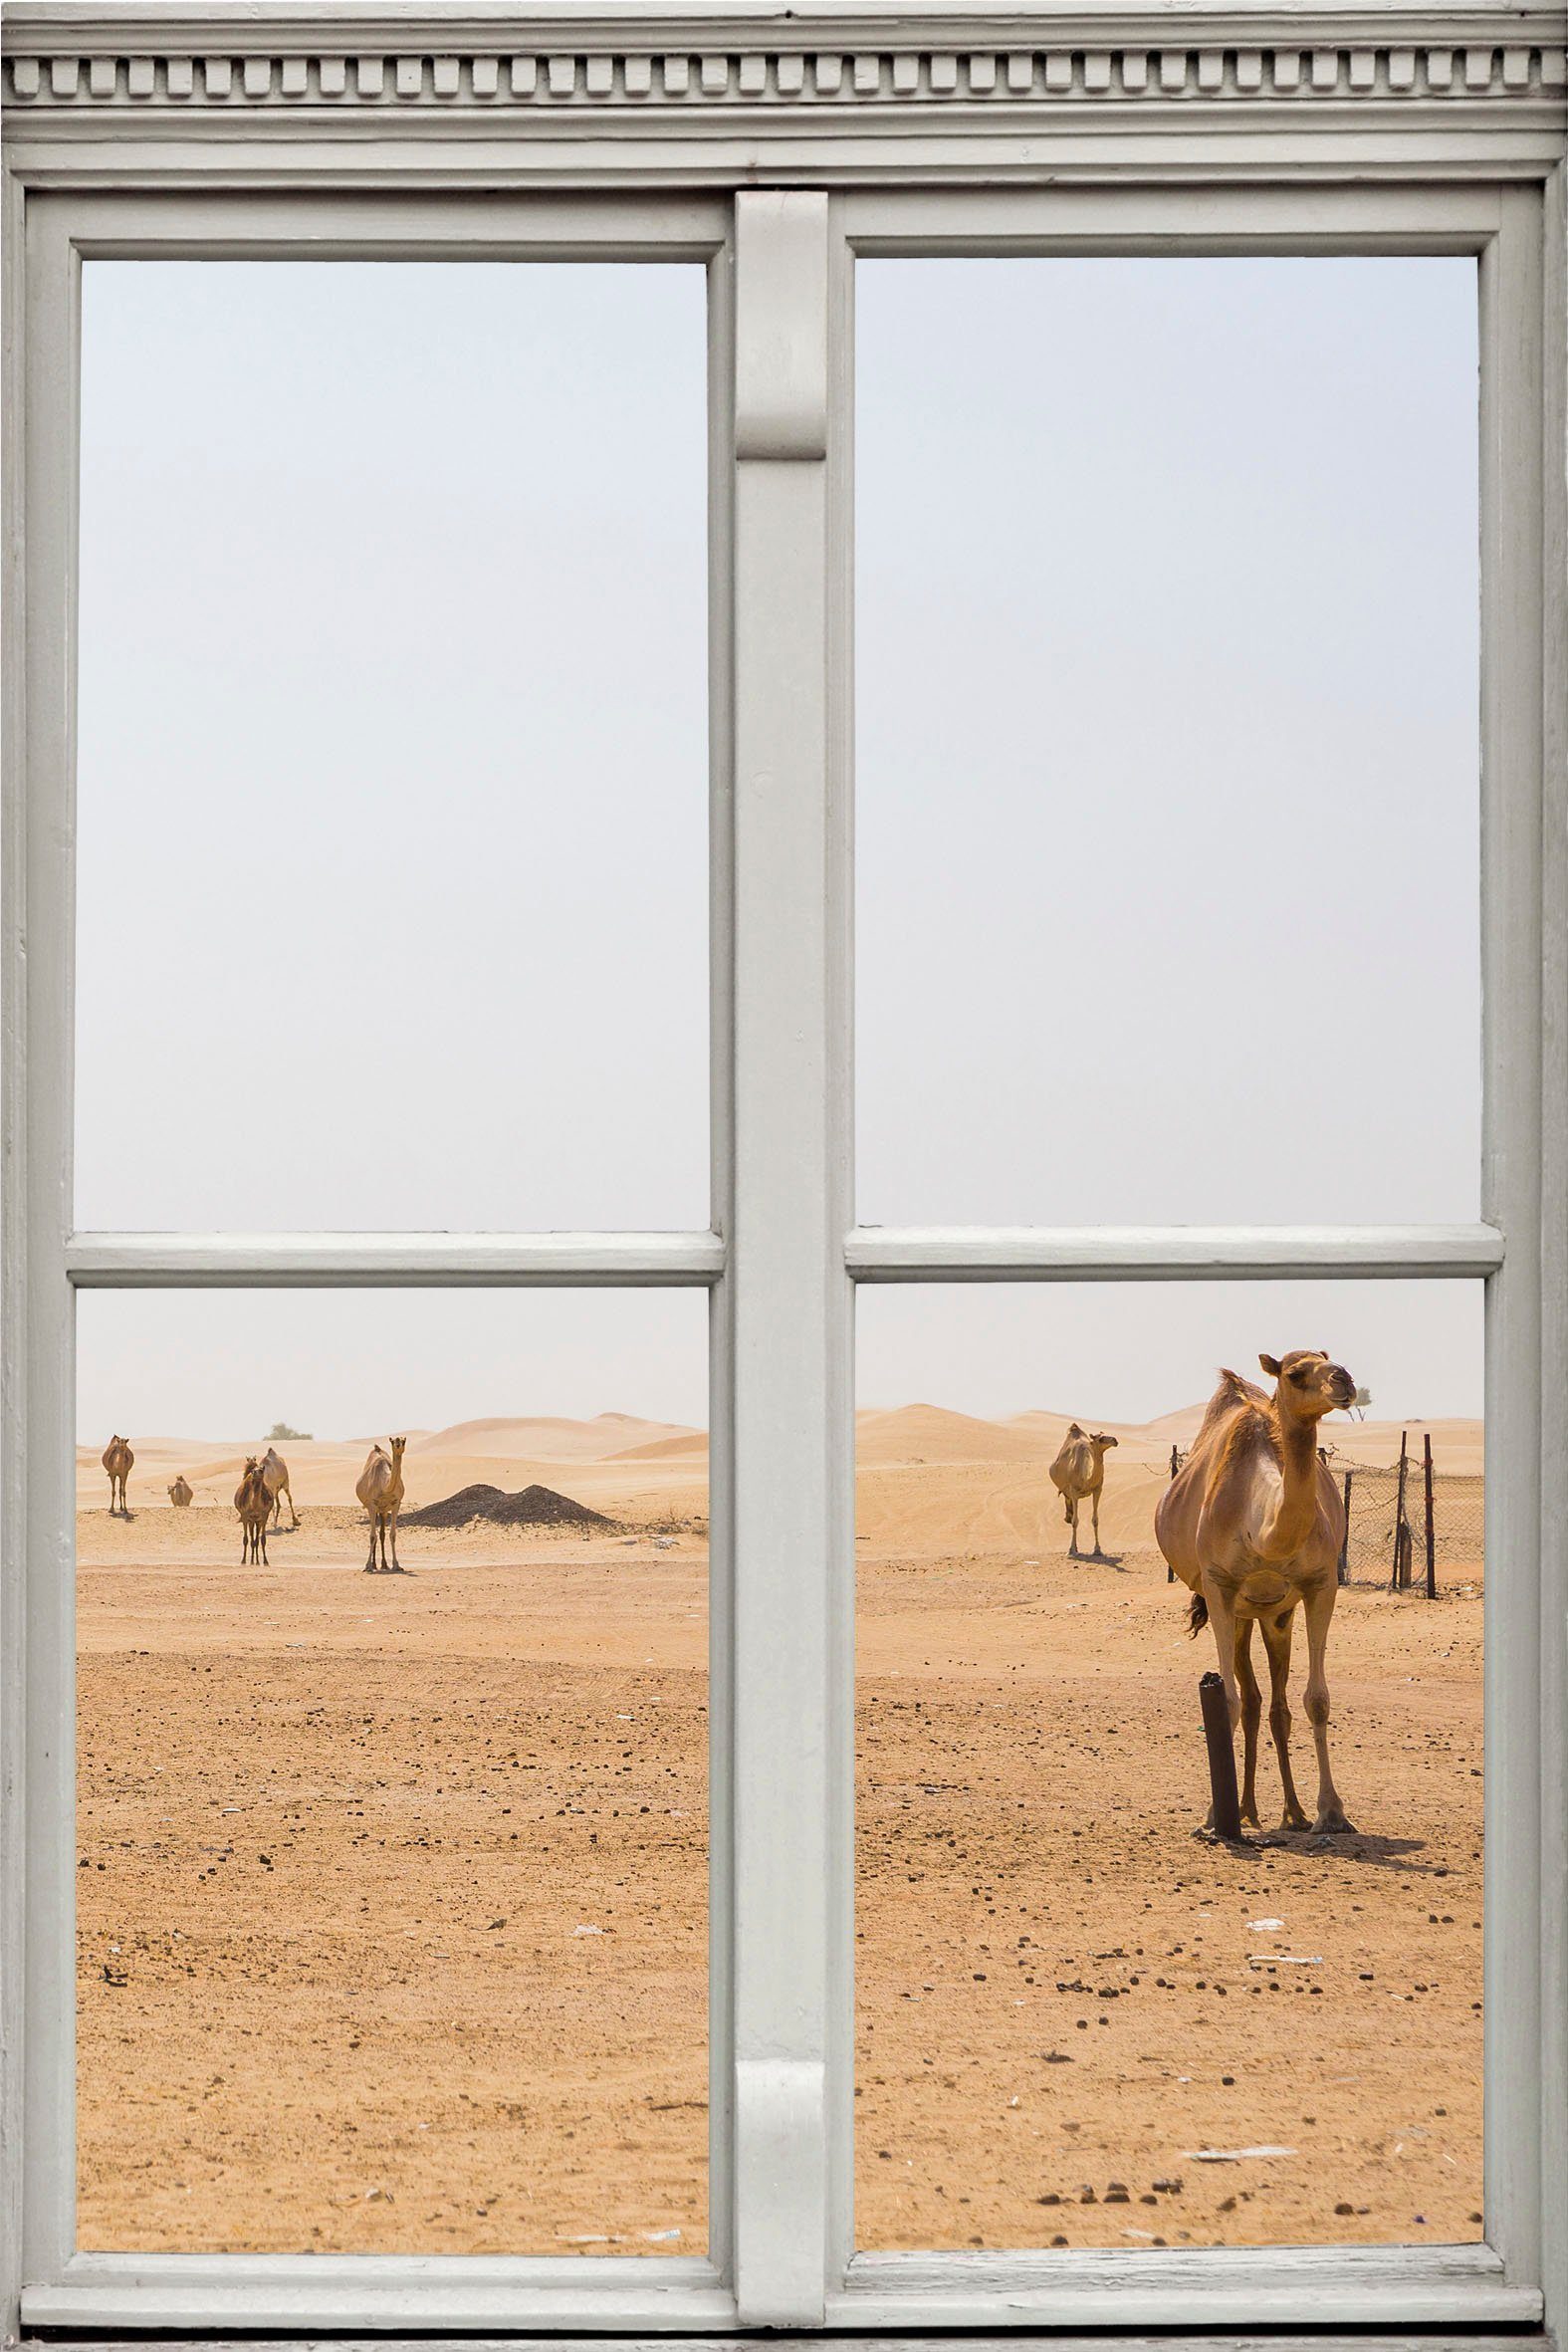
pixel 1222 1757
pixel 1400 1574
pixel 1176 1463
pixel 1432 1533
pixel 1344 1540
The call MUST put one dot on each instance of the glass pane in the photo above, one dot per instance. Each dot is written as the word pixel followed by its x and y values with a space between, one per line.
pixel 392 762
pixel 1080 2021
pixel 1167 741
pixel 393 1889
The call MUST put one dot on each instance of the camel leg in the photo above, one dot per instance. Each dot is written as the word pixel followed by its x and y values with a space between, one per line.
pixel 294 1517
pixel 1096 1505
pixel 1319 1610
pixel 1072 1521
pixel 1252 1717
pixel 261 1537
pixel 1277 1640
pixel 1222 1617
pixel 396 1569
pixel 369 1566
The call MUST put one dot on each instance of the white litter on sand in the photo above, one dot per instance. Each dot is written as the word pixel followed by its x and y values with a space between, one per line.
pixel 587 1931
pixel 1260 1926
pixel 1231 2155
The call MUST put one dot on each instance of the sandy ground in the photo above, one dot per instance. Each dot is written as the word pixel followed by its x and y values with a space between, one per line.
pixel 394 1891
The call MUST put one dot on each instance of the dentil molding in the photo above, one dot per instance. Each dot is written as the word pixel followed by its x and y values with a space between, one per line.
pixel 798 63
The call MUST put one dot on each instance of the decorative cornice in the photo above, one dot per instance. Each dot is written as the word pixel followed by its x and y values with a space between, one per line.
pixel 803 65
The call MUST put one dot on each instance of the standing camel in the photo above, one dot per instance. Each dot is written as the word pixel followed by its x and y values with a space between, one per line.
pixel 253 1503
pixel 182 1493
pixel 275 1471
pixel 380 1489
pixel 1252 1524
pixel 1078 1474
pixel 118 1461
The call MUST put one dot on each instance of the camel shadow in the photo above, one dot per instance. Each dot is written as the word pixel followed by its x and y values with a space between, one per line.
pixel 1354 1845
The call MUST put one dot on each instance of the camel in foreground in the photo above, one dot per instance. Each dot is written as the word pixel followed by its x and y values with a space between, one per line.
pixel 275 1471
pixel 253 1503
pixel 380 1489
pixel 1078 1474
pixel 118 1461
pixel 1252 1524
pixel 182 1495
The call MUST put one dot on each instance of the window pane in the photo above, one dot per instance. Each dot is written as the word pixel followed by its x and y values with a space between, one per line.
pixel 1080 2022
pixel 393 1889
pixel 393 798
pixel 1167 741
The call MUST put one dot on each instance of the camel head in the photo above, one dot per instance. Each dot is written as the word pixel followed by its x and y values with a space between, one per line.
pixel 1099 1441
pixel 398 1444
pixel 1310 1385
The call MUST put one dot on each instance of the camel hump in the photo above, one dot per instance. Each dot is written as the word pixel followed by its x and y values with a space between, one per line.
pixel 1074 1430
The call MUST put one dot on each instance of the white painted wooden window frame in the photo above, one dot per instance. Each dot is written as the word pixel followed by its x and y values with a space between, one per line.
pixel 774 147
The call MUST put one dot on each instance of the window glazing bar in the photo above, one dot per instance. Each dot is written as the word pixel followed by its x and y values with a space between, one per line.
pixel 285 1261
pixel 1167 1253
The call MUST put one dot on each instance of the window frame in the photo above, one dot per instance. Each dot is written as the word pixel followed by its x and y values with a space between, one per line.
pixel 775 155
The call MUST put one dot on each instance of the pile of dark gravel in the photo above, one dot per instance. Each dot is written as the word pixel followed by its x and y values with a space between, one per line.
pixel 535 1507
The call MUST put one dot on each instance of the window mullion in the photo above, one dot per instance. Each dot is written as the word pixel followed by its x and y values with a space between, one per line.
pixel 790 1299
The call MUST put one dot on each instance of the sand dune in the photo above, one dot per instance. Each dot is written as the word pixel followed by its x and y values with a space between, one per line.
pixel 934 1433
pixel 549 1438
pixel 691 1447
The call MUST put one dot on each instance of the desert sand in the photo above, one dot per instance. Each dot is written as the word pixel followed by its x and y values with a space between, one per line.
pixel 392 1907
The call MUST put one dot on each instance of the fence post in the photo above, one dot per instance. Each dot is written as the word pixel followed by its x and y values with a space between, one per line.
pixel 1176 1463
pixel 1432 1533
pixel 1219 1740
pixel 1397 1578
pixel 1344 1540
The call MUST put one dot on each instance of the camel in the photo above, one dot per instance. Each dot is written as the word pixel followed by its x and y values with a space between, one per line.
pixel 118 1461
pixel 1078 1472
pixel 275 1471
pixel 380 1489
pixel 1252 1524
pixel 253 1503
pixel 181 1495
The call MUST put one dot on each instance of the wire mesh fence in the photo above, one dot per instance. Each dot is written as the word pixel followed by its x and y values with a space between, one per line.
pixel 1409 1525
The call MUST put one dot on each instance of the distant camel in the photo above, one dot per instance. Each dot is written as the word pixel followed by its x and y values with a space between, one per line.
pixel 1252 1524
pixel 1078 1474
pixel 181 1495
pixel 118 1461
pixel 275 1471
pixel 380 1489
pixel 253 1503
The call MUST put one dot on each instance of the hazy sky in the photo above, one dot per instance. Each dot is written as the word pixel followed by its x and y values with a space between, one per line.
pixel 392 907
